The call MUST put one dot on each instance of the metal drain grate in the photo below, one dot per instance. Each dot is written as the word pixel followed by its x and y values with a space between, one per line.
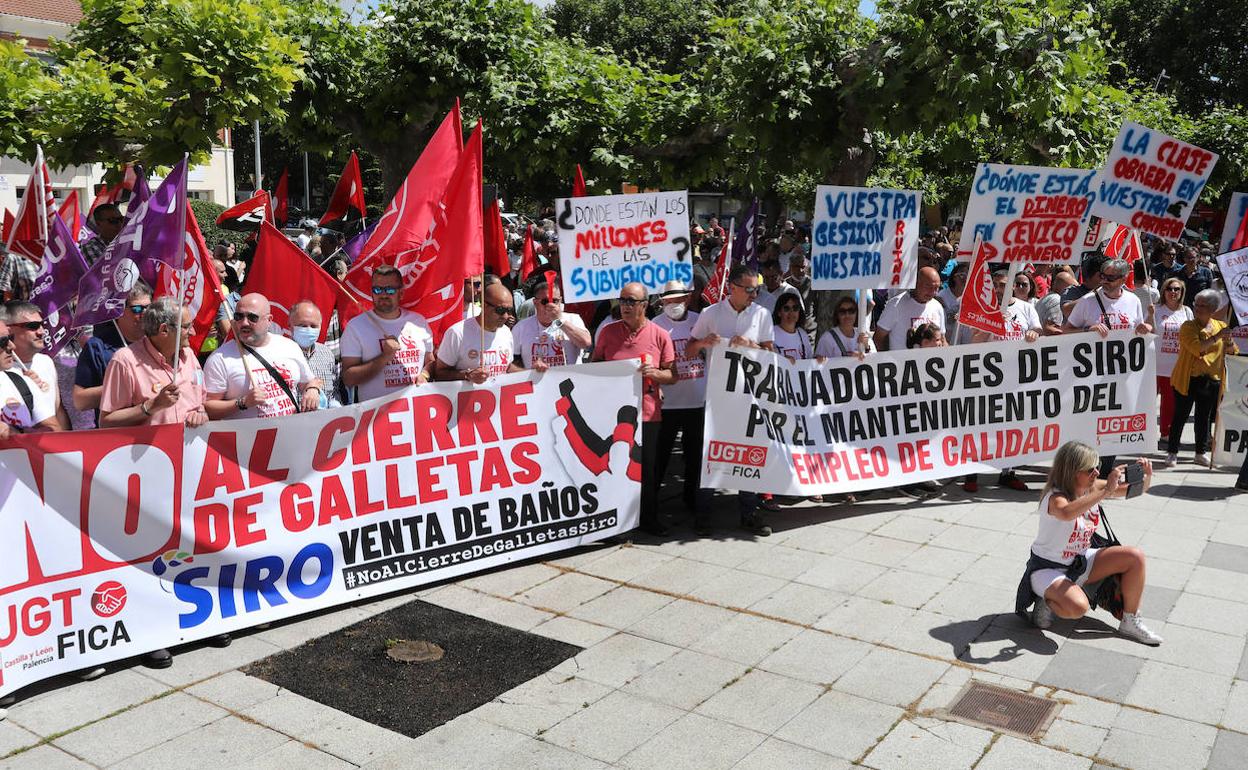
pixel 1004 710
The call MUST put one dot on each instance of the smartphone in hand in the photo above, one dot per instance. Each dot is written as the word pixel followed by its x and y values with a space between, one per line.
pixel 1134 479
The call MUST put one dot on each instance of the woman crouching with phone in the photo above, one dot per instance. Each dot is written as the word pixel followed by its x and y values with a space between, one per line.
pixel 1062 556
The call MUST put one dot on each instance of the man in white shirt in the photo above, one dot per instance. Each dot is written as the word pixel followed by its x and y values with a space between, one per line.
pixel 26 326
pixel 743 323
pixel 1108 307
pixel 387 348
pixel 20 410
pixel 549 337
pixel 773 287
pixel 907 311
pixel 478 349
pixel 239 384
pixel 684 404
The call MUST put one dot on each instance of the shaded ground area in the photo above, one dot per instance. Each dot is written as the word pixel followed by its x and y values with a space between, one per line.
pixel 349 669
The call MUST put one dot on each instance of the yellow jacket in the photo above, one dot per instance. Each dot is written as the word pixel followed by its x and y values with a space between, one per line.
pixel 1192 363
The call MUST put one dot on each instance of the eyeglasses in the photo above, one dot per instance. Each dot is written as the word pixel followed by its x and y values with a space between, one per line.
pixel 387 290
pixel 1093 470
pixel 548 301
pixel 847 311
pixel 630 302
pixel 1112 278
pixel 138 309
pixel 747 289
pixel 249 317
pixel 503 309
pixel 1174 288
pixel 6 341
pixel 32 326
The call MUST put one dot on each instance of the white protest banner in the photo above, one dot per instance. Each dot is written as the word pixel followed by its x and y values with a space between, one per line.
pixel 1030 213
pixel 1151 181
pixel 1235 214
pixel 1230 436
pixel 864 238
pixel 606 241
pixel 149 537
pixel 1234 268
pixel 917 415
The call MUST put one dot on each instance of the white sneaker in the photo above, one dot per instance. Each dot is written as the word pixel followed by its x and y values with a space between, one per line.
pixel 1172 460
pixel 89 674
pixel 1041 615
pixel 1133 628
pixel 1202 460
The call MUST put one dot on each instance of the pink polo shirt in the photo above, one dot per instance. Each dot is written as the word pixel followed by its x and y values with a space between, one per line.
pixel 138 372
pixel 652 344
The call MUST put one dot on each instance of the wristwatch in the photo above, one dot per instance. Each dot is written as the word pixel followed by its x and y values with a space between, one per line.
pixel 241 403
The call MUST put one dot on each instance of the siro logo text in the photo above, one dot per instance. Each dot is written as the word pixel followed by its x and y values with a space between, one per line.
pixel 1129 423
pixel 307 577
pixel 737 454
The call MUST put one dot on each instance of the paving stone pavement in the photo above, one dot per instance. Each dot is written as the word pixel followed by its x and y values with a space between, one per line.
pixel 836 642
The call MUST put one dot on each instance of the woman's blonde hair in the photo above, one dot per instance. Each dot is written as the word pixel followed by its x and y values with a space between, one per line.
pixel 1071 458
pixel 1182 289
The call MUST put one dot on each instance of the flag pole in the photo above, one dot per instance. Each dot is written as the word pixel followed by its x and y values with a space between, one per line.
pixel 482 323
pixel 177 335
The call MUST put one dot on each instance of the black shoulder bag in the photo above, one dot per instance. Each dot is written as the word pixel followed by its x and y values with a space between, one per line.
pixel 277 377
pixel 1107 593
pixel 19 382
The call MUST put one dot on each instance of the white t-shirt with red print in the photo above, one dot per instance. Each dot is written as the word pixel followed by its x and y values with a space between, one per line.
pixel 461 348
pixel 224 373
pixel 363 337
pixel 1122 312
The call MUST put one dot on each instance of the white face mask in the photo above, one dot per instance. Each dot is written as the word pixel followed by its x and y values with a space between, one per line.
pixel 674 311
pixel 513 259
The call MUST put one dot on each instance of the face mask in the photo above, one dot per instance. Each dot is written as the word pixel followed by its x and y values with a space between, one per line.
pixel 304 336
pixel 513 259
pixel 675 311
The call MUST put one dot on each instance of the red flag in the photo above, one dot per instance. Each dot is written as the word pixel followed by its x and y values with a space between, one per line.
pixel 201 289
pixel 29 234
pixel 281 196
pixel 1241 235
pixel 578 184
pixel 404 226
pixel 8 226
pixel 246 217
pixel 495 241
pixel 454 249
pixel 70 213
pixel 528 260
pixel 348 194
pixel 714 290
pixel 1125 244
pixel 283 273
pixel 980 307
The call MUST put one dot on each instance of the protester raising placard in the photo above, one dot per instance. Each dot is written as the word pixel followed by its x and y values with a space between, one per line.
pixel 1151 181
pixel 864 238
pixel 1030 213
pixel 606 241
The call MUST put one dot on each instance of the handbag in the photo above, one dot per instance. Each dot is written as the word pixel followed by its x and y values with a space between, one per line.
pixel 1107 592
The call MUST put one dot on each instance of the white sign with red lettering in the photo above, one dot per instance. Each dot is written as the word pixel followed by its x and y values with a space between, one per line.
pixel 1030 213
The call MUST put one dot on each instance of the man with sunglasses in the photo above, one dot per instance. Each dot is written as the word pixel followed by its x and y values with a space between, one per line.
pixel 20 412
pixel 551 336
pixel 239 376
pixel 909 310
pixel 151 383
pixel 388 348
pixel 479 348
pixel 103 345
pixel 29 340
pixel 741 322
pixel 106 221
pixel 1108 307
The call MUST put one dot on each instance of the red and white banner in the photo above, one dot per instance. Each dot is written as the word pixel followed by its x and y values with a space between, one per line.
pixel 117 542
pixel 919 415
pixel 981 307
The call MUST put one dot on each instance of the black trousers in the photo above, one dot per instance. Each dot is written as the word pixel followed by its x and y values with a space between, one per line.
pixel 650 476
pixel 1202 394
pixel 688 423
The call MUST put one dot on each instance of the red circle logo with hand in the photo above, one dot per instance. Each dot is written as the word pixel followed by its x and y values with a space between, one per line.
pixel 108 598
pixel 1137 423
pixel 757 455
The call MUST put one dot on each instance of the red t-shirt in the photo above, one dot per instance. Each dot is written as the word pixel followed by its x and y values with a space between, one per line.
pixel 652 344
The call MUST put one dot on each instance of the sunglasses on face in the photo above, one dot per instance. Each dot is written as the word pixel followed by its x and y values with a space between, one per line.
pixel 747 289
pixel 387 290
pixel 555 301
pixel 6 341
pixel 249 317
pixel 1112 278
pixel 847 311
pixel 138 309
pixel 630 302
pixel 503 309
pixel 1174 288
pixel 32 326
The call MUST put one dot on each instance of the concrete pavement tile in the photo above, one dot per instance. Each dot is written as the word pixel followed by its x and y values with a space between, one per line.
pixel 624 563
pixel 1201 650
pixel 780 562
pixel 1168 573
pixel 13 738
pixel 513 580
pixel 912 529
pixel 1196 611
pixel 327 729
pixel 618 660
pixel 46 757
pixel 1218 583
pixel 909 589
pixel 760 701
pixel 726 551
pixel 930 744
pixel 1157 602
pixel 694 742
pixel 840 724
pixel 1001 515
pixel 578 632
pixel 1092 671
pixel 681 622
pixel 83 702
pixel 1180 692
pixel 976 540
pixel 1074 737
pixel 991 570
pixel 539 755
pixel 1233 558
pixel 621 607
pixel 865 619
pixel 579 558
pixel 513 614
pixel 1242 673
pixel 943 562
pixel 1231 532
pixel 1009 645
pixel 204 661
pixel 799 603
pixel 1009 753
pixel 1099 629
pixel 613 726
pixel 774 754
pixel 1175 547
pixel 1184 525
pixel 966 600
pixel 679 576
pixel 685 679
pixel 1228 752
pixel 826 540
pixel 1145 741
pixel 293 755
pixel 541 703
pixel 226 742
pixel 1236 715
pixel 565 592
pixel 930 634
pixel 892 677
pixel 840 574
pixel 884 551
pixel 465 743
pixel 738 589
pixel 234 690
pixel 746 639
pixel 814 656
pixel 139 729
pixel 865 517
pixel 1085 710
pixel 291 633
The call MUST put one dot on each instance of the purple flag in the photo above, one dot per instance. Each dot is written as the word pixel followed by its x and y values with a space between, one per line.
pixel 353 247
pixel 155 231
pixel 57 283
pixel 141 191
pixel 744 249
